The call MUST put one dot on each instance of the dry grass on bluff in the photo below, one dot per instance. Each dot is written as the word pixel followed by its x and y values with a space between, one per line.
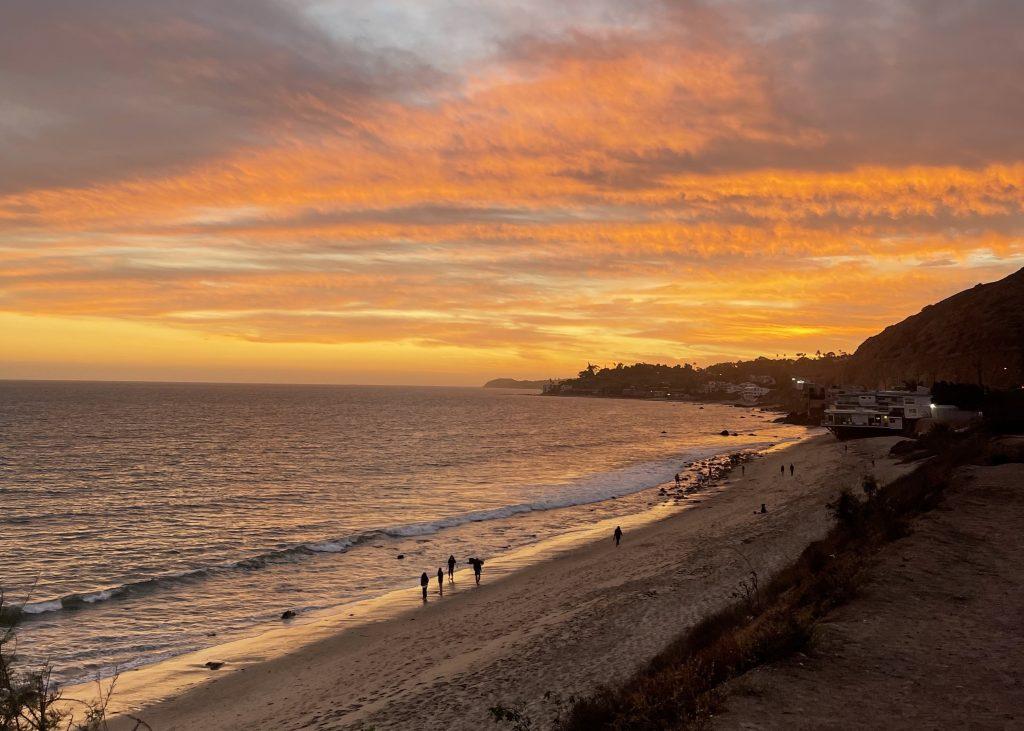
pixel 679 688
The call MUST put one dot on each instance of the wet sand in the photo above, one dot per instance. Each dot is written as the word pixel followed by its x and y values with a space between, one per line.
pixel 585 616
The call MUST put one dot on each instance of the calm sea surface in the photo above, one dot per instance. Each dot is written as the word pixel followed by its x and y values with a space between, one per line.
pixel 141 521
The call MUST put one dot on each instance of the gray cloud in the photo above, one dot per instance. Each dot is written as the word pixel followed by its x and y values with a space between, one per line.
pixel 932 82
pixel 108 89
pixel 419 215
pixel 114 89
pixel 922 81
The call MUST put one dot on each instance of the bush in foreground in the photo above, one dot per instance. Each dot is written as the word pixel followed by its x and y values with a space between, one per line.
pixel 31 701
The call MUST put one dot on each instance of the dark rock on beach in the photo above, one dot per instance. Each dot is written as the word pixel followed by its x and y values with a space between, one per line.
pixel 288 614
pixel 213 665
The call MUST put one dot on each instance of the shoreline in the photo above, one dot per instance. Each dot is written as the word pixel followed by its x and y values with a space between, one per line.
pixel 467 642
pixel 151 681
pixel 774 408
pixel 201 595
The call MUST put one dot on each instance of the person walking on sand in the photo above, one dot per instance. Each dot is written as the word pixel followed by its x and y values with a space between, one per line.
pixel 782 469
pixel 791 468
pixel 424 583
pixel 478 566
pixel 440 581
pixel 451 569
pixel 743 470
pixel 618 535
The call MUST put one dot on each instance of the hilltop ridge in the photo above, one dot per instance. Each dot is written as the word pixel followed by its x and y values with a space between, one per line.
pixel 974 336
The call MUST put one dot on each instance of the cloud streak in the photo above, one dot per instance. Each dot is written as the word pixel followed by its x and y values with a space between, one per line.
pixel 705 180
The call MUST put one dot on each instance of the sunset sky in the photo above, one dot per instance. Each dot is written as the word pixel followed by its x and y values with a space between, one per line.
pixel 444 191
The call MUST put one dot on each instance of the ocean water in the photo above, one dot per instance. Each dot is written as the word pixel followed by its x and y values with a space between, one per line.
pixel 141 521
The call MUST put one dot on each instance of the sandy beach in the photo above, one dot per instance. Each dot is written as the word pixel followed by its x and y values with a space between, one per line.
pixel 563 625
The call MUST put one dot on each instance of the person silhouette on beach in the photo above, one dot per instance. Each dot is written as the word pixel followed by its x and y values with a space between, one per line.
pixel 678 479
pixel 791 468
pixel 451 569
pixel 743 470
pixel 782 469
pixel 618 535
pixel 424 583
pixel 440 581
pixel 478 566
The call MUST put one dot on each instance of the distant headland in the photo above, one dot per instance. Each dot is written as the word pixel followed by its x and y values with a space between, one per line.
pixel 516 383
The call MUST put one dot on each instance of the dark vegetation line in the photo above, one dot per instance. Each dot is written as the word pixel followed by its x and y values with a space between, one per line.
pixel 680 687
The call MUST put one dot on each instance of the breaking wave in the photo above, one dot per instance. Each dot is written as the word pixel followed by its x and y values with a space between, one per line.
pixel 583 491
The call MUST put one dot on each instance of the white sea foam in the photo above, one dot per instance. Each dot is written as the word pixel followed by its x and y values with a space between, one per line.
pixel 244 501
pixel 583 491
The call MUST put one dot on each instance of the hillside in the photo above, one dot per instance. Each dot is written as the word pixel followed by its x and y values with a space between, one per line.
pixel 975 335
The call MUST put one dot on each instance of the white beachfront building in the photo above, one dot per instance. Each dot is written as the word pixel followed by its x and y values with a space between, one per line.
pixel 860 413
pixel 751 392
pixel 907 404
pixel 720 387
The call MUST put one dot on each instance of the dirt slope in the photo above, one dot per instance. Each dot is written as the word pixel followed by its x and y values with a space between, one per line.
pixel 935 641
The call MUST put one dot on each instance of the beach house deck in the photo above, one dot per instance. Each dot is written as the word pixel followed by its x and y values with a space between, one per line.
pixel 855 413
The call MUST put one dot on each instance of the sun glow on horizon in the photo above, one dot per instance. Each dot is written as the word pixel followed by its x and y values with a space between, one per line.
pixel 482 192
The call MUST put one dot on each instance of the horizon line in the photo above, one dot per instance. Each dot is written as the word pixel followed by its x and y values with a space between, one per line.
pixel 235 383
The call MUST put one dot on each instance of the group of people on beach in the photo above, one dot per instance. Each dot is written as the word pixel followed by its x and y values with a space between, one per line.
pixel 476 563
pixel 478 567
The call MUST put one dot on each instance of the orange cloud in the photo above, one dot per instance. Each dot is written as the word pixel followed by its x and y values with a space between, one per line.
pixel 681 186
